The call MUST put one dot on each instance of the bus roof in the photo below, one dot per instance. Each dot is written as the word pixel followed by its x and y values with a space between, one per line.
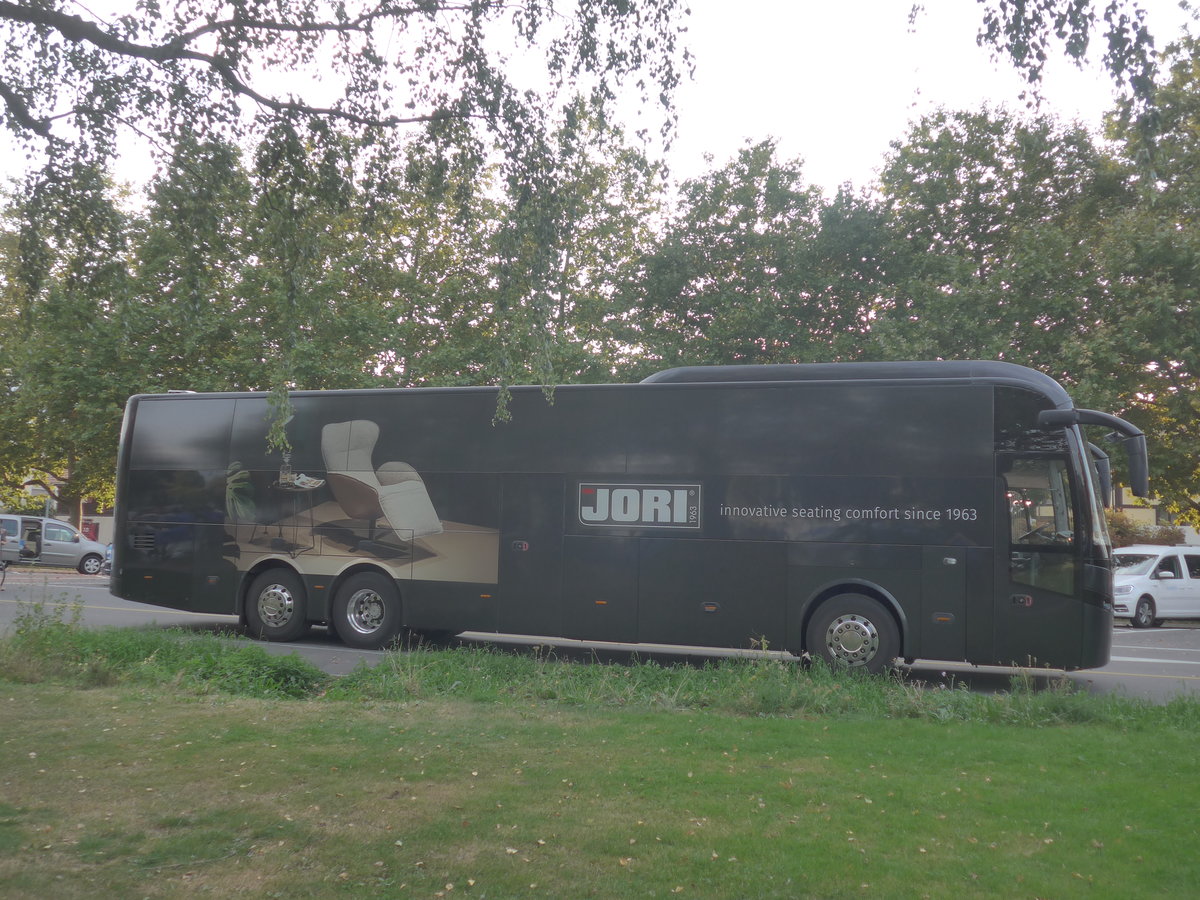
pixel 952 371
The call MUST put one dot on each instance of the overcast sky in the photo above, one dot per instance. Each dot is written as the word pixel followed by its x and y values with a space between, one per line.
pixel 835 82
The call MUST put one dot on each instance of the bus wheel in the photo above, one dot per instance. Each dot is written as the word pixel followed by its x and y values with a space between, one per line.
pixel 366 611
pixel 854 631
pixel 1143 613
pixel 275 607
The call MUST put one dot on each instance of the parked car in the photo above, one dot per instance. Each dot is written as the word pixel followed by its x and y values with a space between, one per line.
pixel 1153 583
pixel 32 540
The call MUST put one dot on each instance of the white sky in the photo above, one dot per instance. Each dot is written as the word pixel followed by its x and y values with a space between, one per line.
pixel 836 80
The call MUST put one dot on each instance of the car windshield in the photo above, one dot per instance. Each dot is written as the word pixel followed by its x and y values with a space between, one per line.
pixel 1133 563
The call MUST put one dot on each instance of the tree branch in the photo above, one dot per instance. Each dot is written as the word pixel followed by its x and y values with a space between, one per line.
pixel 20 112
pixel 78 30
pixel 357 24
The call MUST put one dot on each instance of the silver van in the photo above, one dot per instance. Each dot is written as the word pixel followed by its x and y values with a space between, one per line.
pixel 48 542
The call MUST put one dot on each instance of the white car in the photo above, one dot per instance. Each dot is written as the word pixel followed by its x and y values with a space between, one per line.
pixel 1152 583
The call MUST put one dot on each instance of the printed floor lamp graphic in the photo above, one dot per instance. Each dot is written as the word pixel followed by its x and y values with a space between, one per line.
pixel 394 492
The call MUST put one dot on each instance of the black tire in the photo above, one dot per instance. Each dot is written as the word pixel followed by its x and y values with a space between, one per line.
pixel 854 631
pixel 276 606
pixel 91 564
pixel 366 611
pixel 1143 613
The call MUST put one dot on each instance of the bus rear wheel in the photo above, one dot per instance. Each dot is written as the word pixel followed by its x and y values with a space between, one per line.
pixel 366 611
pixel 276 608
pixel 854 631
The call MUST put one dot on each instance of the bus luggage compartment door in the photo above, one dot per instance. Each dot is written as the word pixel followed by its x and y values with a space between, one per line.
pixel 712 593
pixel 600 588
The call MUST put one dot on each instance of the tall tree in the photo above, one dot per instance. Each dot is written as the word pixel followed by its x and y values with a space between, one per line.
pixel 730 281
pixel 998 218
pixel 430 228
pixel 1152 255
pixel 69 75
pixel 73 84
pixel 189 255
pixel 566 249
pixel 62 352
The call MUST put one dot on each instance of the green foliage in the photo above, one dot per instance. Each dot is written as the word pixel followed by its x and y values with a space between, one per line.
pixel 328 258
pixel 739 275
pixel 1153 257
pixel 49 645
pixel 62 352
pixel 257 279
pixel 998 217
pixel 1125 532
pixel 187 68
pixel 22 503
pixel 1026 33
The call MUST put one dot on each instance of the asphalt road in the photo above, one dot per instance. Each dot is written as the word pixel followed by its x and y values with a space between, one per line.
pixel 1155 664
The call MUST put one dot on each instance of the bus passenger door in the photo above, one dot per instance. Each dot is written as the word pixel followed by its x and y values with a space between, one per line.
pixel 1038 615
pixel 531 547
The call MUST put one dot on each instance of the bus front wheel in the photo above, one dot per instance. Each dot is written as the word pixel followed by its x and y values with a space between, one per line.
pixel 275 607
pixel 854 631
pixel 366 611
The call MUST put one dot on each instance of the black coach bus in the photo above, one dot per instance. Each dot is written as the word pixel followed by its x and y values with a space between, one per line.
pixel 858 512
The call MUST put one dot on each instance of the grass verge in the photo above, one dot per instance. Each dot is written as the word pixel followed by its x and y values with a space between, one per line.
pixel 150 764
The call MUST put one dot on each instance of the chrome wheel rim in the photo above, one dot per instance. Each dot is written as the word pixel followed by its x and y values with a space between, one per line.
pixel 852 639
pixel 366 611
pixel 276 605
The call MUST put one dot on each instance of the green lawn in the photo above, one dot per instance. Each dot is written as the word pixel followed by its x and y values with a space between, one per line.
pixel 144 765
pixel 132 792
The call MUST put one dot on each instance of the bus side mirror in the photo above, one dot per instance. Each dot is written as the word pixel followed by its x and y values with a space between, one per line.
pixel 1129 436
pixel 1104 472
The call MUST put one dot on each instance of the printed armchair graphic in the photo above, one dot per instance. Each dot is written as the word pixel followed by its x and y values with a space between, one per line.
pixel 394 492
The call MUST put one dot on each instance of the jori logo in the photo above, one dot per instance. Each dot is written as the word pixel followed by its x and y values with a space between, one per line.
pixel 640 505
